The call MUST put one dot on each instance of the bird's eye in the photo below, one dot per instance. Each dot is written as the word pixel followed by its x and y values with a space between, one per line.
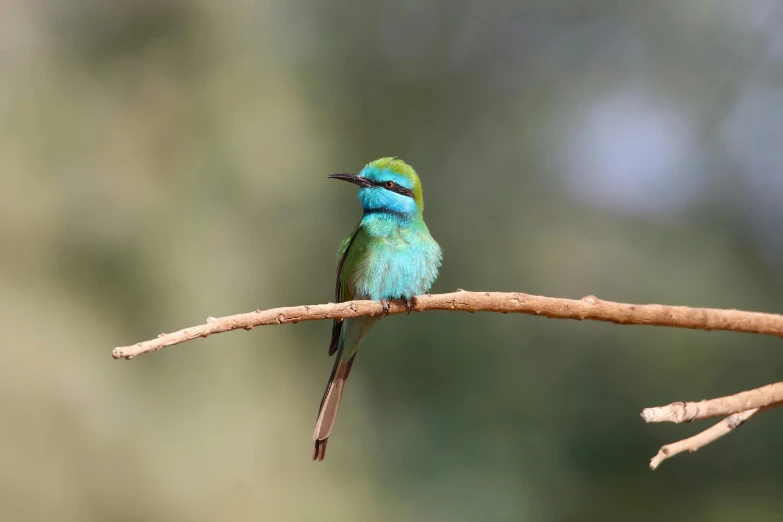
pixel 389 184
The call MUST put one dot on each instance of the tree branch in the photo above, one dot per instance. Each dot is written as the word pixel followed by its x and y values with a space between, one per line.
pixel 678 412
pixel 711 434
pixel 589 307
pixel 739 408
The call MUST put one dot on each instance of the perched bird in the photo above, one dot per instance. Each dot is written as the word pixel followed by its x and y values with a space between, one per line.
pixel 389 256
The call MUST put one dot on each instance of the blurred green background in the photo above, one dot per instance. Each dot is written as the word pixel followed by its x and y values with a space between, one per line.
pixel 164 161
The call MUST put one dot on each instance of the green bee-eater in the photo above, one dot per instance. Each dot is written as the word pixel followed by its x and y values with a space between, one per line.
pixel 389 256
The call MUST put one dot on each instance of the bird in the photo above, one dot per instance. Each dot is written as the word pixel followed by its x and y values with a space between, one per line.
pixel 390 255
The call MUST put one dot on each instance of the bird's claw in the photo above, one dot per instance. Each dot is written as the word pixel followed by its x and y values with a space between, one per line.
pixel 406 302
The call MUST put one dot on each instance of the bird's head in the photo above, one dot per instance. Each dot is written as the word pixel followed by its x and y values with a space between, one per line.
pixel 388 185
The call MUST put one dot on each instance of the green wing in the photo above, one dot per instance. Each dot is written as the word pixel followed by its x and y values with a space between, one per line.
pixel 341 291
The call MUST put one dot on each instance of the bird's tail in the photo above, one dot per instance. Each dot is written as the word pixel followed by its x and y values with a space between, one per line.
pixel 353 331
pixel 328 410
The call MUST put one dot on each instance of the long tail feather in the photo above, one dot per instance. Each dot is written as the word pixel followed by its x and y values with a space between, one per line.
pixel 331 399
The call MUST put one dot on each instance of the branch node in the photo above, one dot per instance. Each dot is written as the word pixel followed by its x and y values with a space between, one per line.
pixel 211 319
pixel 734 422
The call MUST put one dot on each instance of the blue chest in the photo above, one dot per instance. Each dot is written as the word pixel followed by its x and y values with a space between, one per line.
pixel 401 259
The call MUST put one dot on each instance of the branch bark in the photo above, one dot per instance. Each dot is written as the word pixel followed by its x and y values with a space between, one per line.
pixel 678 412
pixel 711 434
pixel 589 307
pixel 740 407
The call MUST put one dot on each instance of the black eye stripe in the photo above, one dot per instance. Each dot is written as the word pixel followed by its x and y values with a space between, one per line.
pixel 396 188
pixel 402 190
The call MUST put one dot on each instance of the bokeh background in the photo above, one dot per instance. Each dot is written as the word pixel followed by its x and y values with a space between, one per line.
pixel 165 161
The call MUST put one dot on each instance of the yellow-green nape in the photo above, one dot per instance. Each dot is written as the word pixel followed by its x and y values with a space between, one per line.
pixel 398 166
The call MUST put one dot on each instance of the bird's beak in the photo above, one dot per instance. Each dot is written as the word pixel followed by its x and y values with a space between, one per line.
pixel 353 178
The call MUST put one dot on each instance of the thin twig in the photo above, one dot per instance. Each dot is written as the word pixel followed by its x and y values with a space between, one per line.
pixel 711 434
pixel 739 407
pixel 589 307
pixel 678 412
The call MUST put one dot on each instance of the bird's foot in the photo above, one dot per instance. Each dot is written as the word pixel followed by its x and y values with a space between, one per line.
pixel 407 302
